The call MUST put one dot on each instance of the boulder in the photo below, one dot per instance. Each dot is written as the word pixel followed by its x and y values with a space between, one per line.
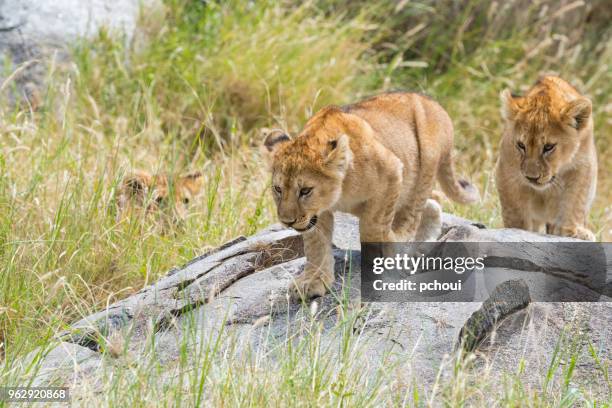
pixel 32 31
pixel 507 298
pixel 240 290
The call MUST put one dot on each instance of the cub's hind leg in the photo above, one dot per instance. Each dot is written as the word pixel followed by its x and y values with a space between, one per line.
pixel 430 141
pixel 376 216
pixel 430 227
pixel 408 214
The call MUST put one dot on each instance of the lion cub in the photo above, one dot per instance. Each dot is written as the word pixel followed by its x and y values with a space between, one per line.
pixel 377 159
pixel 142 192
pixel 547 169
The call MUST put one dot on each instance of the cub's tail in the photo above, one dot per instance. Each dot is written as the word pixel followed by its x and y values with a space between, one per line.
pixel 457 190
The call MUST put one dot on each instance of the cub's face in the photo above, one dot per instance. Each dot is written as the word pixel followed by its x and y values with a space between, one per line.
pixel 542 155
pixel 544 139
pixel 301 194
pixel 142 192
pixel 306 177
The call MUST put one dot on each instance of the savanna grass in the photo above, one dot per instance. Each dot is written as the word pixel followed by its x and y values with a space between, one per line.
pixel 189 91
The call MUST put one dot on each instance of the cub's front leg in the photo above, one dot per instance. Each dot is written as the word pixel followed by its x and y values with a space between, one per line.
pixel 514 215
pixel 575 206
pixel 318 275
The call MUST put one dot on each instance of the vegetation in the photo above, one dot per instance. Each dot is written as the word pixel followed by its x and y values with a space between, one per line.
pixel 190 90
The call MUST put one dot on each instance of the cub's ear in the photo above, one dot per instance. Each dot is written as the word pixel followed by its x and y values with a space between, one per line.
pixel 273 138
pixel 576 113
pixel 509 105
pixel 338 154
pixel 136 184
pixel 192 182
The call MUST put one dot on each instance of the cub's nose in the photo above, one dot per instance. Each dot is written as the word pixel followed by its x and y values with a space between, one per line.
pixel 532 179
pixel 288 222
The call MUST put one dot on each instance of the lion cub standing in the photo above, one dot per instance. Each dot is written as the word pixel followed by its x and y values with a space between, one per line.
pixel 377 159
pixel 547 168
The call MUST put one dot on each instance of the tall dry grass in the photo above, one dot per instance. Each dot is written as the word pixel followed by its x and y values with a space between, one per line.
pixel 190 91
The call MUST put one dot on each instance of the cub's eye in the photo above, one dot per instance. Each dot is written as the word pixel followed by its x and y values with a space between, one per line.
pixel 159 199
pixel 548 147
pixel 277 189
pixel 520 145
pixel 305 191
pixel 185 200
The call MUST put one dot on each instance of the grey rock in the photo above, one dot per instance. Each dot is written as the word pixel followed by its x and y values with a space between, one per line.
pixel 507 298
pixel 240 291
pixel 60 21
pixel 544 335
pixel 65 363
pixel 191 286
pixel 346 228
pixel 33 31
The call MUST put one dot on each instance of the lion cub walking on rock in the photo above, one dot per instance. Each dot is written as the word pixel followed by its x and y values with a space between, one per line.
pixel 547 168
pixel 377 159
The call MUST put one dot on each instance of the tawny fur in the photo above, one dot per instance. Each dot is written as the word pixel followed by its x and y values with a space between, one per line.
pixel 547 168
pixel 377 159
pixel 141 192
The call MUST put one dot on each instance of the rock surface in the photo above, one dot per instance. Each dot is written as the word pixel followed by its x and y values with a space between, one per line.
pixel 240 289
pixel 32 30
pixel 507 298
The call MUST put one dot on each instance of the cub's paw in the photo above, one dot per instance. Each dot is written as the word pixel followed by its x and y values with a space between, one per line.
pixel 578 232
pixel 308 286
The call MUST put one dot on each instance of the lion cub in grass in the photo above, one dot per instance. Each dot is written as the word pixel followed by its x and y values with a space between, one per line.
pixel 547 169
pixel 377 159
pixel 141 192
